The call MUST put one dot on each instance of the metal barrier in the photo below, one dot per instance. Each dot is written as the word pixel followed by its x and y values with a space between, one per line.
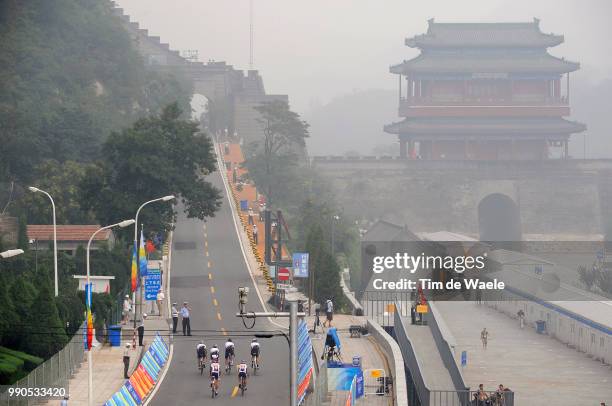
pixel 374 382
pixel 470 398
pixel 381 306
pixel 53 373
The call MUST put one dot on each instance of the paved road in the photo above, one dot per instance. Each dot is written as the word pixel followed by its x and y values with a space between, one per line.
pixel 199 250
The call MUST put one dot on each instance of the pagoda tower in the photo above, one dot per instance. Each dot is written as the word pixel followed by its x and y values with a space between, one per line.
pixel 484 91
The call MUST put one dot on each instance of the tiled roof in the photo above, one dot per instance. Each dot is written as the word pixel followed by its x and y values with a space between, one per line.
pixel 485 126
pixel 485 62
pixel 67 232
pixel 484 35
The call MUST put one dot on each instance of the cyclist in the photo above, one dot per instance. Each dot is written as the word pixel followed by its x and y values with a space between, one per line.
pixel 214 352
pixel 242 375
pixel 229 353
pixel 254 354
pixel 201 353
pixel 214 374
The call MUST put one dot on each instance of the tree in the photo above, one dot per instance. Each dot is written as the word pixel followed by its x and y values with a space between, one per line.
pixel 324 271
pixel 284 135
pixel 44 327
pixel 157 156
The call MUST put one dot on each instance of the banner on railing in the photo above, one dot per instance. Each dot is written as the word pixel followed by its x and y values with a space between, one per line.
pixel 351 396
pixel 304 360
pixel 144 378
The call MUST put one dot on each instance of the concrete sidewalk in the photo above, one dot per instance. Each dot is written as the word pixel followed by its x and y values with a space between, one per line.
pixel 541 370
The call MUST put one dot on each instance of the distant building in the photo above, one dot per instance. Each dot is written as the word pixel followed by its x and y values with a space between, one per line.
pixel 69 237
pixel 484 91
pixel 99 283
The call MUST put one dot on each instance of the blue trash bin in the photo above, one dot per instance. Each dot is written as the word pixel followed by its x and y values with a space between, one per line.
pixel 114 335
pixel 540 326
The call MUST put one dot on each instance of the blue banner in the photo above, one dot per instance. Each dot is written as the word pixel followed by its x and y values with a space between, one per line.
pixel 152 284
pixel 300 264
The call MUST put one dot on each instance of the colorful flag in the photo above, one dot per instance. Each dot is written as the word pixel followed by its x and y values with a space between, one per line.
pixel 134 269
pixel 142 256
pixel 89 318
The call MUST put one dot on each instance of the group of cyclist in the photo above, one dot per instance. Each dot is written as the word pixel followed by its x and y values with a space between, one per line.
pixel 230 353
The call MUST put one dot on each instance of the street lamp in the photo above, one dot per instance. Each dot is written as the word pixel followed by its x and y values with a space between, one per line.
pixel 333 233
pixel 160 199
pixel 35 190
pixel 11 253
pixel 122 224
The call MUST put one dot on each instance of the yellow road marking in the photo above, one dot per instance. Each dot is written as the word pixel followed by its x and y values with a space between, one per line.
pixel 215 302
pixel 224 331
pixel 212 289
pixel 209 264
pixel 209 275
pixel 218 316
pixel 235 391
pixel 206 243
pixel 205 235
pixel 207 254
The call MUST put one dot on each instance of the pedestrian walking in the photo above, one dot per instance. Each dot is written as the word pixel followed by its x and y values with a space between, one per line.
pixel 126 360
pixel 262 210
pixel 251 214
pixel 185 310
pixel 255 234
pixel 127 307
pixel 141 329
pixel 521 317
pixel 175 316
pixel 160 301
pixel 484 337
pixel 329 313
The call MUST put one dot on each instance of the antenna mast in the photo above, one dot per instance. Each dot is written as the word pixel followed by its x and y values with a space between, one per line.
pixel 251 34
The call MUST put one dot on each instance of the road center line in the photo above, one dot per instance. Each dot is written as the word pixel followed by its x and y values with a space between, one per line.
pixel 215 302
pixel 209 264
pixel 212 289
pixel 218 316
pixel 209 276
pixel 235 391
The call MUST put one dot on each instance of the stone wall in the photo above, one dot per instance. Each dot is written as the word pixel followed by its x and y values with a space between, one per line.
pixel 553 197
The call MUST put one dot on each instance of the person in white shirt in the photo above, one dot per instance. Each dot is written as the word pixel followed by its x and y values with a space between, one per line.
pixel 185 315
pixel 255 351
pixel 329 313
pixel 175 316
pixel 127 307
pixel 160 302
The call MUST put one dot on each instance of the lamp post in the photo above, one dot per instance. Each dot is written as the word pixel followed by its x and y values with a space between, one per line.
pixel 333 233
pixel 122 224
pixel 160 199
pixel 11 253
pixel 35 190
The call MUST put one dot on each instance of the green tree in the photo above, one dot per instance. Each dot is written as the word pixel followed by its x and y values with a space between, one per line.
pixel 158 155
pixel 8 316
pixel 274 158
pixel 324 271
pixel 44 329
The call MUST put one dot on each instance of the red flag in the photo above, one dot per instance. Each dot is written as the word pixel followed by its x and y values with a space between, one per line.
pixel 150 247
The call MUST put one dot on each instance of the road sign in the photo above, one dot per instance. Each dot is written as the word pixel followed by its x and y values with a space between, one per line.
pixel 300 265
pixel 283 274
pixel 152 284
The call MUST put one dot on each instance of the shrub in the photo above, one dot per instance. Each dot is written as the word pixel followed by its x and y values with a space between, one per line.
pixel 7 373
pixel 30 361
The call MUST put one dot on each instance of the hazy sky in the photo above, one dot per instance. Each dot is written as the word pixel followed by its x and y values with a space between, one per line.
pixel 318 49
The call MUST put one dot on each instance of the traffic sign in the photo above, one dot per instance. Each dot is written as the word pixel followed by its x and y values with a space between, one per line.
pixel 283 274
pixel 152 284
pixel 300 264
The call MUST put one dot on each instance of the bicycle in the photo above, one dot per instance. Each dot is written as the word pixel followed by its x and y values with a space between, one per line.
pixel 254 364
pixel 201 365
pixel 242 385
pixel 214 386
pixel 229 363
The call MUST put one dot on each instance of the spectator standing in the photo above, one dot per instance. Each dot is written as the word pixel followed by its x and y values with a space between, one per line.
pixel 255 234
pixel 521 317
pixel 317 321
pixel 262 209
pixel 126 360
pixel 175 316
pixel 185 312
pixel 484 337
pixel 481 397
pixel 64 401
pixel 329 313
pixel 251 214
pixel 127 307
pixel 160 301
pixel 141 329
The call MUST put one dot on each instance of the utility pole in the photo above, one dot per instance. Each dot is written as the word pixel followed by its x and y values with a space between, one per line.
pixel 293 315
